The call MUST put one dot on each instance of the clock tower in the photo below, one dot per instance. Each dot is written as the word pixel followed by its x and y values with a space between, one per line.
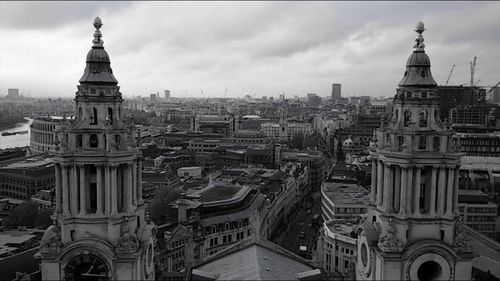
pixel 100 230
pixel 413 231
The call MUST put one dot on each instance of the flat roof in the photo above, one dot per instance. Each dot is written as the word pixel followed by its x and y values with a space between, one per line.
pixel 346 193
pixel 341 228
pixel 15 237
pixel 219 192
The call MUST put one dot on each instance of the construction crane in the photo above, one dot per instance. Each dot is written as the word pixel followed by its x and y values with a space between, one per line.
pixel 472 70
pixel 491 90
pixel 449 75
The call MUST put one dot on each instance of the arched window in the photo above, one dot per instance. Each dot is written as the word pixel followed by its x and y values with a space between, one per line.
pixel 79 141
pixel 93 116
pixel 437 143
pixel 423 119
pixel 110 115
pixel 396 115
pixel 407 120
pixel 80 113
pixel 422 143
pixel 93 141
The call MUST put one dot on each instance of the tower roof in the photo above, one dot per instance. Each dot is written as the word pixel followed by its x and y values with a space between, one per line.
pixel 98 69
pixel 418 67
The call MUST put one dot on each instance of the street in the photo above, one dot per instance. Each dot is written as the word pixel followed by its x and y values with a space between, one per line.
pixel 301 221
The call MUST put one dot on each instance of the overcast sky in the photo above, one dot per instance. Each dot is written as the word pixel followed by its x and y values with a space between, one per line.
pixel 256 48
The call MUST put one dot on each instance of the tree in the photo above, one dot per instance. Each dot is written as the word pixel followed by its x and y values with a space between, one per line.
pixel 297 141
pixel 310 142
pixel 43 219
pixel 23 215
pixel 158 208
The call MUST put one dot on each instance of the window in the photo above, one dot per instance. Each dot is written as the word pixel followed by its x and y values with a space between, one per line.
pixel 117 140
pixel 93 116
pixel 422 144
pixel 437 143
pixel 110 116
pixel 93 142
pixel 423 119
pixel 424 95
pixel 407 118
pixel 79 141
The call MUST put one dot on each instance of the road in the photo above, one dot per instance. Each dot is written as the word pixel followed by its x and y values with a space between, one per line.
pixel 301 222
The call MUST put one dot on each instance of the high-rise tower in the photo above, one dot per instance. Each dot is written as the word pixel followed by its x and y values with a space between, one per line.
pixel 100 231
pixel 413 231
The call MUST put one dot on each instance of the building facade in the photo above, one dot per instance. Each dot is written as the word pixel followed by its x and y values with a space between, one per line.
pixel 100 231
pixel 413 231
pixel 43 133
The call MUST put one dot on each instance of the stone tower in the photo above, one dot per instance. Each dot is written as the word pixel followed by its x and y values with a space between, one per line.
pixel 100 231
pixel 413 231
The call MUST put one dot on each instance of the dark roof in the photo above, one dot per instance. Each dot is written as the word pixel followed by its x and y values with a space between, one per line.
pixel 22 262
pixel 98 69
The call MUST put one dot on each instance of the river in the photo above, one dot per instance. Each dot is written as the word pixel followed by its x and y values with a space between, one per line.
pixel 16 140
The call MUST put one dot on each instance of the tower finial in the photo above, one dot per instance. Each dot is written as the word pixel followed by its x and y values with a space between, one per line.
pixel 97 34
pixel 419 45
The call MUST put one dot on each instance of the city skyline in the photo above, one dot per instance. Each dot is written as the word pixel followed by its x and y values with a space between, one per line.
pixel 251 48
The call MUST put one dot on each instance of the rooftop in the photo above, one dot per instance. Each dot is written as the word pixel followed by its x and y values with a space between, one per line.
pixel 340 228
pixel 254 262
pixel 345 193
pixel 219 192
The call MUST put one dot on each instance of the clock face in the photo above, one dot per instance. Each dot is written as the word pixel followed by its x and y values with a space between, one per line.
pixel 86 267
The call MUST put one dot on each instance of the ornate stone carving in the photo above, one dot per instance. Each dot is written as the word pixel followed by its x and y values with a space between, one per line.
pixel 389 242
pixel 460 243
pixel 51 240
pixel 128 242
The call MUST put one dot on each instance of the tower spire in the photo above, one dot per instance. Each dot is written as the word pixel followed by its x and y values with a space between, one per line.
pixel 419 41
pixel 98 42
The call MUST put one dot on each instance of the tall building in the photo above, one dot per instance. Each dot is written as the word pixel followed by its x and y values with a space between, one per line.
pixel 336 93
pixel 100 231
pixel 167 94
pixel 413 231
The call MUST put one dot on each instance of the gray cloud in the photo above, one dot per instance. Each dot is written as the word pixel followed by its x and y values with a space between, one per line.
pixel 248 47
pixel 52 14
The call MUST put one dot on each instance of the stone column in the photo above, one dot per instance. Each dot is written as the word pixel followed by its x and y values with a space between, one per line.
pixel 404 186
pixel 432 201
pixel 380 182
pixel 449 192
pixel 99 198
pixel 455 193
pixel 397 187
pixel 58 188
pixel 107 189
pixel 416 193
pixel 128 187
pixel 373 192
pixel 441 190
pixel 409 190
pixel 74 190
pixel 65 189
pixel 139 182
pixel 114 193
pixel 83 187
pixel 388 186
pixel 134 182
